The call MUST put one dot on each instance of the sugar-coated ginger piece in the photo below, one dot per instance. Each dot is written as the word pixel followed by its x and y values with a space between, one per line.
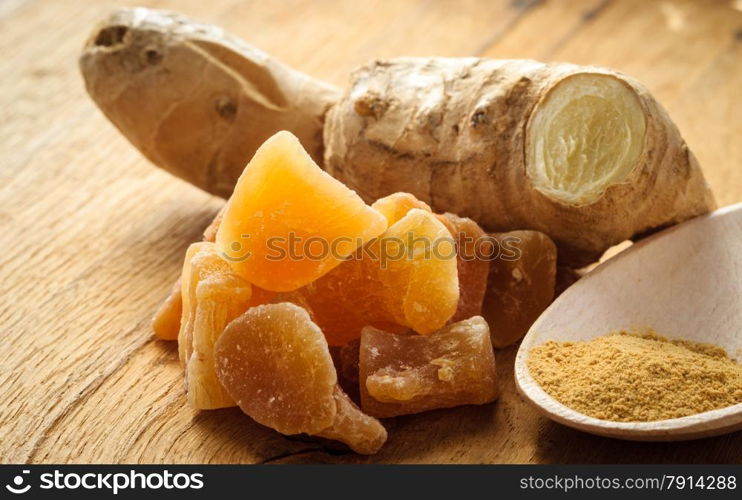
pixel 405 278
pixel 473 267
pixel 362 433
pixel 424 284
pixel 275 362
pixel 288 222
pixel 213 295
pixel 405 373
pixel 521 284
pixel 166 321
pixel 396 205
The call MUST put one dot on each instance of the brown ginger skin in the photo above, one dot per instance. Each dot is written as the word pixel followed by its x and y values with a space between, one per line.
pixel 194 100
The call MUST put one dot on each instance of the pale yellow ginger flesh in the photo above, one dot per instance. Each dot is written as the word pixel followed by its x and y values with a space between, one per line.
pixel 584 136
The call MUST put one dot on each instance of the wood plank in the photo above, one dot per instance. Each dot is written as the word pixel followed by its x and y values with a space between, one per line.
pixel 94 235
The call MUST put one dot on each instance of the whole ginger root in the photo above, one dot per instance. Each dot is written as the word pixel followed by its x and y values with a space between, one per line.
pixel 583 154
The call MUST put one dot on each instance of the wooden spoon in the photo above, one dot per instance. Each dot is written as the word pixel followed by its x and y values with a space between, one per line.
pixel 684 282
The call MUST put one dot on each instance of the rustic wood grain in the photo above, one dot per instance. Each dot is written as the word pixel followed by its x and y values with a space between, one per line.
pixel 93 235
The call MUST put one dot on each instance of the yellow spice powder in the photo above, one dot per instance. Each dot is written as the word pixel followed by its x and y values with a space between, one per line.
pixel 630 377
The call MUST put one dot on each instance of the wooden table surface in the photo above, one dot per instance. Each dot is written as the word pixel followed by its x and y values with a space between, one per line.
pixel 93 235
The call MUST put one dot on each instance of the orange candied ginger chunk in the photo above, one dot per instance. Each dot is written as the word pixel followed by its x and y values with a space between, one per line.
pixel 212 296
pixel 521 284
pixel 405 278
pixel 472 244
pixel 275 362
pixel 403 374
pixel 288 222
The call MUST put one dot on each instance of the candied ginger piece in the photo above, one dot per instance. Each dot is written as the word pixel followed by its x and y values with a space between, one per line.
pixel 396 205
pixel 288 222
pixel 521 284
pixel 212 295
pixel 405 278
pixel 346 299
pixel 362 433
pixel 473 267
pixel 275 362
pixel 423 285
pixel 404 374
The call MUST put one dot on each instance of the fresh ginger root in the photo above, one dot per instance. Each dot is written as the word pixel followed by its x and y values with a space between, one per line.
pixel 583 154
pixel 194 100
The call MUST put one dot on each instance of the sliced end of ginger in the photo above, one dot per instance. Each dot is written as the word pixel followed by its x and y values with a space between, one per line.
pixel 584 136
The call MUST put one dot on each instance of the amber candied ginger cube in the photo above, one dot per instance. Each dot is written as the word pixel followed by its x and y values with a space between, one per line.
pixel 288 222
pixel 402 373
pixel 521 284
pixel 212 296
pixel 275 362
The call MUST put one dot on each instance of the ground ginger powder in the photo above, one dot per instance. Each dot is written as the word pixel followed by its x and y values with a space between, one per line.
pixel 628 377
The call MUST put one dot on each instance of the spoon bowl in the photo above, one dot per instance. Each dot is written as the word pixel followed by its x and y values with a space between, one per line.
pixel 685 283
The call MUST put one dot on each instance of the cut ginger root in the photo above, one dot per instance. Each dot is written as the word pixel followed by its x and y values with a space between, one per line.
pixel 407 277
pixel 275 363
pixel 582 153
pixel 212 296
pixel 288 222
pixel 521 284
pixel 403 374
